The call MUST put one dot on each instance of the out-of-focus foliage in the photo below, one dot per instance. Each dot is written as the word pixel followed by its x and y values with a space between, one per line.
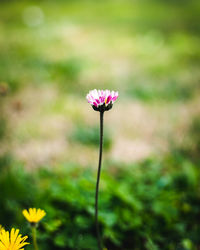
pixel 2 128
pixel 190 146
pixel 151 205
pixel 150 46
pixel 90 136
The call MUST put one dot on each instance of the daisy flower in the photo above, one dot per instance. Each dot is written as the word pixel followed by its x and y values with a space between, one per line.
pixel 102 100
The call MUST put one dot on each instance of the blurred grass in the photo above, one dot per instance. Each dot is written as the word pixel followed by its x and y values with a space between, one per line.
pixel 147 50
pixel 90 136
pixel 160 37
pixel 151 205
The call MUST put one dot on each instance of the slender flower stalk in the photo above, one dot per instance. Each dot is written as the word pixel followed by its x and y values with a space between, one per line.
pixel 101 101
pixel 34 237
pixel 33 216
pixel 98 179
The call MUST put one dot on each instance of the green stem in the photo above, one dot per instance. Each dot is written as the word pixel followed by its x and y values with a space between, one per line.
pixel 97 183
pixel 34 238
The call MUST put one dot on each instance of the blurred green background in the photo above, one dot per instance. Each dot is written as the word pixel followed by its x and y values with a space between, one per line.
pixel 51 54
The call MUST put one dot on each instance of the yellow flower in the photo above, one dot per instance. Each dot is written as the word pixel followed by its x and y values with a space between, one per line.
pixel 34 215
pixel 1 228
pixel 12 240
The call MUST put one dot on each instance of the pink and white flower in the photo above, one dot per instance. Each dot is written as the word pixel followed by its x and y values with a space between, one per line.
pixel 102 100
